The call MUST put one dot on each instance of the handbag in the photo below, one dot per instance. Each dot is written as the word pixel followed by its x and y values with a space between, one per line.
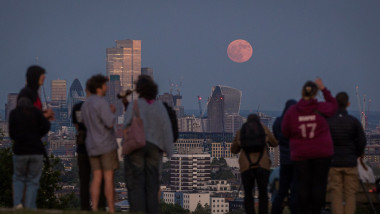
pixel 365 172
pixel 133 135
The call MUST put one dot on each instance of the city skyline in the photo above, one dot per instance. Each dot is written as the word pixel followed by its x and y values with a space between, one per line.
pixel 187 42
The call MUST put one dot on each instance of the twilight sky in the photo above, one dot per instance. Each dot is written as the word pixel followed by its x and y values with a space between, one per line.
pixel 293 41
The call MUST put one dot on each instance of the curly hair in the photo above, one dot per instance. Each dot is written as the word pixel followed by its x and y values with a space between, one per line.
pixel 95 82
pixel 146 87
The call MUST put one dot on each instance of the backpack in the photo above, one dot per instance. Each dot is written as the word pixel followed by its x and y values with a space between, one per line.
pixel 253 139
pixel 173 120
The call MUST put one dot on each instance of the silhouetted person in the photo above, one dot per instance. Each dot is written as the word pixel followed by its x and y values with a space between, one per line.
pixel 311 147
pixel 254 166
pixel 142 166
pixel 99 118
pixel 286 168
pixel 27 125
pixel 349 143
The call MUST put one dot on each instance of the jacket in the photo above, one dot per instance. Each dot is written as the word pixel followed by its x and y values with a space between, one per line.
pixel 27 125
pixel 348 137
pixel 156 121
pixel 305 125
pixel 265 161
pixel 282 141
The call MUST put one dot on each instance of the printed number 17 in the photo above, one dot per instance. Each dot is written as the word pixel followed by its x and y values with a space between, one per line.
pixel 308 127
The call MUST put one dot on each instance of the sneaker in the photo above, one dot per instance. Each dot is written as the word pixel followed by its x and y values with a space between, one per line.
pixel 18 207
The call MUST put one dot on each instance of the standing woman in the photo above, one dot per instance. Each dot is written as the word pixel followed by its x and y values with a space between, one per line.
pixel 142 165
pixel 311 146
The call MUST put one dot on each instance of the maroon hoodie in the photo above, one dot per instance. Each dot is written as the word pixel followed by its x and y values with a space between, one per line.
pixel 307 129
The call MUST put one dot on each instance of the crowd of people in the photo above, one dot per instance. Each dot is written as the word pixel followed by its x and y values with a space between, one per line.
pixel 319 146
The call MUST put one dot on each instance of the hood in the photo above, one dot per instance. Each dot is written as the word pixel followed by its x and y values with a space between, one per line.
pixel 287 105
pixel 33 75
pixel 307 106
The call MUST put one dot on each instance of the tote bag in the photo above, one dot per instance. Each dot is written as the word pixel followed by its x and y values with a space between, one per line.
pixel 133 135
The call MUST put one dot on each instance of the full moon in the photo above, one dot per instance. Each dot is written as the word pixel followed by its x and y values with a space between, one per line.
pixel 239 51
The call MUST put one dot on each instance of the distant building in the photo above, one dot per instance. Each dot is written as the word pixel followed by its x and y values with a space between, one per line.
pixel 58 91
pixel 11 104
pixel 223 101
pixel 76 95
pixel 221 150
pixel 189 171
pixel 63 148
pixel 114 87
pixel 232 123
pixel 174 101
pixel 188 145
pixel 219 205
pixel 125 60
pixel 147 71
pixel 219 186
pixel 186 200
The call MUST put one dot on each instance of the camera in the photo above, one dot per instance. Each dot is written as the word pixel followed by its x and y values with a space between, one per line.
pixel 124 94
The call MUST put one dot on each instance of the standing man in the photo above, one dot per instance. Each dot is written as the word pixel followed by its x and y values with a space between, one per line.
pixel 99 118
pixel 27 125
pixel 349 143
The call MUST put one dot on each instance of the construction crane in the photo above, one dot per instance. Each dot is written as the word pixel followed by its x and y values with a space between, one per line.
pixel 363 116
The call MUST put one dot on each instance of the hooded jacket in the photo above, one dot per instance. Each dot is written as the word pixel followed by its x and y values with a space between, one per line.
pixel 306 127
pixel 282 141
pixel 32 85
pixel 27 125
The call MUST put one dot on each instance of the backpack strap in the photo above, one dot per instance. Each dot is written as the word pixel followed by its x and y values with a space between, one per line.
pixel 258 160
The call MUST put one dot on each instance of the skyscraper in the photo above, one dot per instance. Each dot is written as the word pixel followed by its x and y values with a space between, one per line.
pixel 125 60
pixel 58 91
pixel 76 95
pixel 224 101
pixel 114 87
pixel 147 71
pixel 11 104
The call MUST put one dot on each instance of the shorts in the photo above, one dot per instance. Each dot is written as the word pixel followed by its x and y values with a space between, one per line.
pixel 104 162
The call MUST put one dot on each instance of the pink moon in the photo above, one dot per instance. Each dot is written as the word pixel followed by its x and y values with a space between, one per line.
pixel 239 51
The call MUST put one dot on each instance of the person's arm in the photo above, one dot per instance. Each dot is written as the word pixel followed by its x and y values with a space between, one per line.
pixel 329 107
pixel 270 139
pixel 106 115
pixel 44 124
pixel 235 147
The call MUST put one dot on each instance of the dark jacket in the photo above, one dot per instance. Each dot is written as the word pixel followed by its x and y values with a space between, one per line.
pixel 27 125
pixel 282 141
pixel 307 130
pixel 348 137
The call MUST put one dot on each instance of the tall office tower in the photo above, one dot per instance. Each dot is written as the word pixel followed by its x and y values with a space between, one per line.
pixel 125 60
pixel 190 170
pixel 76 95
pixel 224 101
pixel 147 71
pixel 58 91
pixel 11 104
pixel 114 87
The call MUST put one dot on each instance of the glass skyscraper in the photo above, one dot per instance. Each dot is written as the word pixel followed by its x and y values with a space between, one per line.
pixel 125 60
